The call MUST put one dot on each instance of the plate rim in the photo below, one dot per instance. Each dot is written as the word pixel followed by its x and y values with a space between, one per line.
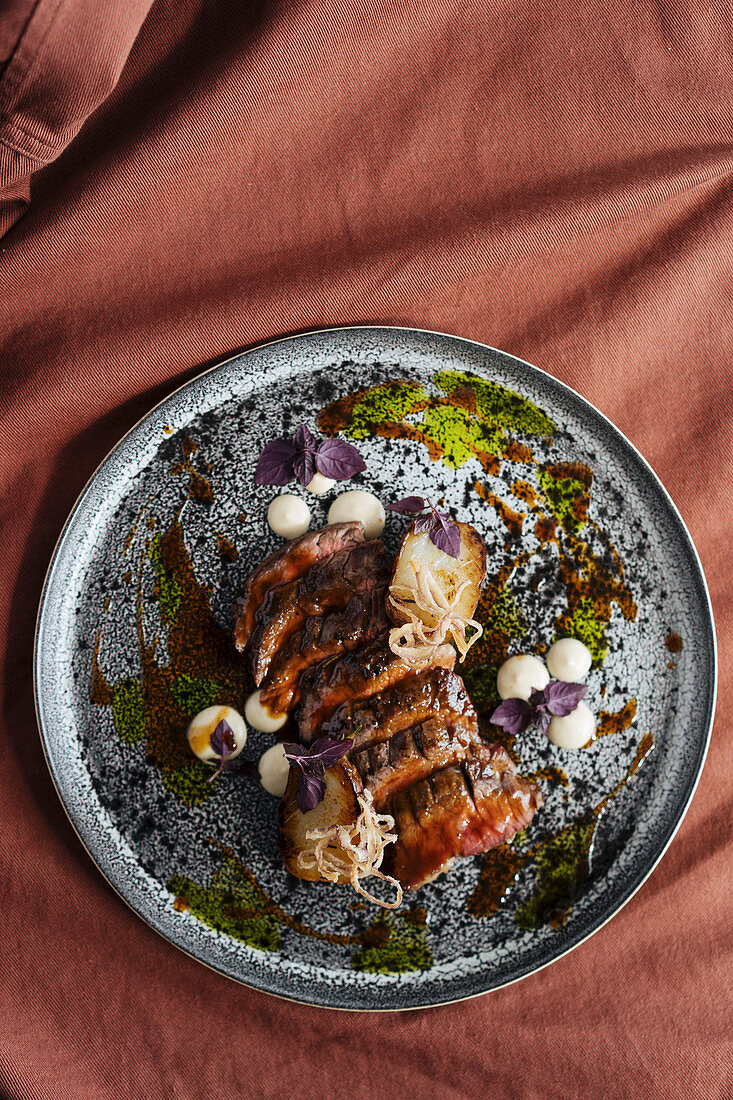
pixel 635 883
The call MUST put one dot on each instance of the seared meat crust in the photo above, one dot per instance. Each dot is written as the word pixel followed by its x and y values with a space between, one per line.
pixel 327 586
pixel 439 692
pixel 388 767
pixel 287 564
pixel 358 675
pixel 362 621
pixel 462 810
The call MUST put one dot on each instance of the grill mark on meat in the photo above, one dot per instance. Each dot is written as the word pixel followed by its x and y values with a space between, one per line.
pixel 330 585
pixel 363 621
pixel 287 564
pixel 438 692
pixel 461 810
pixel 356 676
pixel 412 754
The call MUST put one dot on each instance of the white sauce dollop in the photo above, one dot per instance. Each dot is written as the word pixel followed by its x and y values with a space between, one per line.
pixel 319 484
pixel 203 725
pixel 289 516
pixel 569 660
pixel 357 504
pixel 573 731
pixel 519 676
pixel 274 770
pixel 260 717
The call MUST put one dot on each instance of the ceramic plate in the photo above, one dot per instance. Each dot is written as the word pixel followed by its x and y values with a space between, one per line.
pixel 134 638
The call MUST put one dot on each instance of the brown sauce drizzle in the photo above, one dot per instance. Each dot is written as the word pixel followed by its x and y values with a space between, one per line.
pixel 615 722
pixel 512 520
pixel 227 549
pixel 515 451
pixel 501 866
pixel 674 642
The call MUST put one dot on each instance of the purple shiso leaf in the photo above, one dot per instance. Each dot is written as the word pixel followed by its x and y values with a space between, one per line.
pixel 561 698
pixel 222 740
pixel 513 715
pixel 407 505
pixel 337 459
pixel 447 537
pixel 311 789
pixel 275 465
pixel 303 440
pixel 329 750
pixel 292 750
pixel 542 720
pixel 422 525
pixel 304 467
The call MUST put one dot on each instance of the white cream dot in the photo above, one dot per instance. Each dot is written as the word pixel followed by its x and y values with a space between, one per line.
pixel 569 660
pixel 260 717
pixel 519 676
pixel 360 505
pixel 319 484
pixel 289 516
pixel 574 730
pixel 203 725
pixel 274 770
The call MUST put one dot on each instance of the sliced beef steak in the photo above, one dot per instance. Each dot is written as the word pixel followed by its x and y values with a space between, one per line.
pixel 327 586
pixel 287 564
pixel 362 621
pixel 388 767
pixel 462 810
pixel 437 692
pixel 355 676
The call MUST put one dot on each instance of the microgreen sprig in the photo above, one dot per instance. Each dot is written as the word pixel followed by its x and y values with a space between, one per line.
pixel 312 764
pixel 284 460
pixel 559 698
pixel 441 529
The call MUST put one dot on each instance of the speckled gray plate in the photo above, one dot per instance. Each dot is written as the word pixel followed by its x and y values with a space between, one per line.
pixel 133 638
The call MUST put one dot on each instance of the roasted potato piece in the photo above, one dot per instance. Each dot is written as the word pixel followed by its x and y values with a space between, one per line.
pixel 450 573
pixel 338 807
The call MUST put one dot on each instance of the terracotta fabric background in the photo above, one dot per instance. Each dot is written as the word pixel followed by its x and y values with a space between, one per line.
pixel 551 178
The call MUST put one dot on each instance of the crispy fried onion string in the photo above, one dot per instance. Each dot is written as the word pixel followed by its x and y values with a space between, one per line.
pixel 360 850
pixel 414 641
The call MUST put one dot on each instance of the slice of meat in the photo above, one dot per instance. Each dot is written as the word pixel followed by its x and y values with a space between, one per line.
pixel 440 691
pixel 388 767
pixel 506 802
pixel 327 586
pixel 362 621
pixel 462 810
pixel 287 564
pixel 355 676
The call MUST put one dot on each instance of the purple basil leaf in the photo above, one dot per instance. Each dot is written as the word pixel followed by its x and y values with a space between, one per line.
pixel 513 715
pixel 311 789
pixel 562 698
pixel 542 720
pixel 222 740
pixel 330 750
pixel 422 525
pixel 537 699
pixel 338 459
pixel 303 440
pixel 304 466
pixel 275 466
pixel 292 750
pixel 407 505
pixel 447 537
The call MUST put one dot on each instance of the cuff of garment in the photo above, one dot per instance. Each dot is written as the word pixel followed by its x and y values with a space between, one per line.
pixel 65 63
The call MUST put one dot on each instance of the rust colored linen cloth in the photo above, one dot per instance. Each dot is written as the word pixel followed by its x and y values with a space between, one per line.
pixel 182 179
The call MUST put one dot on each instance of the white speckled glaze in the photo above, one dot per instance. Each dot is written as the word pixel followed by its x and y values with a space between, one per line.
pixel 141 834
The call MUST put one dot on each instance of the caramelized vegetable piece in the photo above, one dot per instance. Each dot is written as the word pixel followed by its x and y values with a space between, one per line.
pixel 339 806
pixel 433 596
